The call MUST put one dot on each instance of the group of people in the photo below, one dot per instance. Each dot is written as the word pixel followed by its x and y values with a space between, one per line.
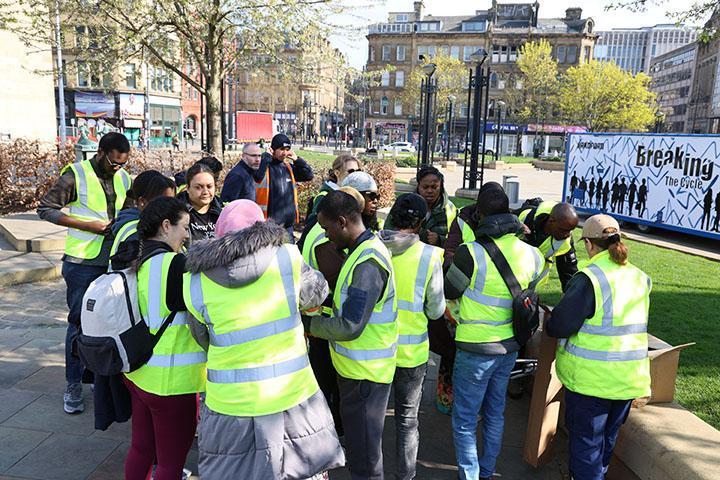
pixel 294 350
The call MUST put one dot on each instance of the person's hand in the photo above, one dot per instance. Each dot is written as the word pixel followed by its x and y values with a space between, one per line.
pixel 292 156
pixel 98 227
pixel 433 238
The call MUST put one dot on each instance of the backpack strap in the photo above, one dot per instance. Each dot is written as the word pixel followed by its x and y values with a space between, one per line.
pixel 530 223
pixel 164 326
pixel 501 264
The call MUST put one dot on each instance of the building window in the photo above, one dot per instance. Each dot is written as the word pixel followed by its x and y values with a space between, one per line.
pixel 495 54
pixel 427 51
pixel 80 38
pixel 500 82
pixel 572 54
pixel 455 52
pixel 399 78
pixel 371 54
pixel 385 79
pixel 513 54
pixel 398 107
pixel 493 80
pixel 401 18
pixel 386 53
pixel 587 54
pixel 463 110
pixel 503 54
pixel 82 75
pixel 130 79
pixel 473 26
pixel 400 53
pixel 560 53
pixel 467 51
pixel 384 106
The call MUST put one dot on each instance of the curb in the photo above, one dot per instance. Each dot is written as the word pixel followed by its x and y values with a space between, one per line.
pixel 39 274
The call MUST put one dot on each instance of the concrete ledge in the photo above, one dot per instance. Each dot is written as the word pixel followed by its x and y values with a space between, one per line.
pixel 546 165
pixel 666 442
pixel 27 233
pixel 21 267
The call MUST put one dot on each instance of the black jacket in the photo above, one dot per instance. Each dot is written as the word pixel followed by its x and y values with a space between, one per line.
pixel 240 183
pixel 202 225
pixel 281 206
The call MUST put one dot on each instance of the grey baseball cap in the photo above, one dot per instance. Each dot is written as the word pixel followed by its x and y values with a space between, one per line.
pixel 360 181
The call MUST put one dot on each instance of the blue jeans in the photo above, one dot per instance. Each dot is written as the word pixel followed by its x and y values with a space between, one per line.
pixel 593 425
pixel 479 385
pixel 408 383
pixel 77 278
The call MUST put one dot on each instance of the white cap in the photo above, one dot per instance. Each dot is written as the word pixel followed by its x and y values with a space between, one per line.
pixel 360 181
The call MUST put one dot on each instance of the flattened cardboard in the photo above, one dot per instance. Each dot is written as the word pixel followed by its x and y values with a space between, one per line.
pixel 545 402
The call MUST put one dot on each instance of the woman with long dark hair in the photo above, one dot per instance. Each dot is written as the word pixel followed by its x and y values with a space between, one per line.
pixel 163 391
pixel 203 205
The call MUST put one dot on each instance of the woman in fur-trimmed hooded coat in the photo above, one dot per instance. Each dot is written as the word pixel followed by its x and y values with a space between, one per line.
pixel 298 443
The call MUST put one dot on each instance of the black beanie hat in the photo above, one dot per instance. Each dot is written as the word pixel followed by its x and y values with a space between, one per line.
pixel 280 141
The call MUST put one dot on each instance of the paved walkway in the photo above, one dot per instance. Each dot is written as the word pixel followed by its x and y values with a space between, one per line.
pixel 39 441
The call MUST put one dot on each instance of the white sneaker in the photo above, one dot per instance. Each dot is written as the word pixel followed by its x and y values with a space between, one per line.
pixel 73 399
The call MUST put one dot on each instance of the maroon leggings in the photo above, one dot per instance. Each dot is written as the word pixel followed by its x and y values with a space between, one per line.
pixel 163 428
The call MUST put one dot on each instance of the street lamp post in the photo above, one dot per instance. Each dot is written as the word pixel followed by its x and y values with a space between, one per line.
pixel 659 121
pixel 428 70
pixel 448 129
pixel 499 105
pixel 479 58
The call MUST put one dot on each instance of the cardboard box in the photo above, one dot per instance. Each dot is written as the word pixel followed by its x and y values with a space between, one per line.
pixel 664 360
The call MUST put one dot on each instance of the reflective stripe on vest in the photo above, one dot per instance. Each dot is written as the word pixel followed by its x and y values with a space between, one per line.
pixel 262 192
pixel 608 357
pixel 271 374
pixel 91 205
pixel 314 238
pixel 177 365
pixel 125 232
pixel 371 356
pixel 486 305
pixel 467 233
pixel 413 268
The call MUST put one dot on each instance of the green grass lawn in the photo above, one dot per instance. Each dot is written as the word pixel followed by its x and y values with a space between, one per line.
pixel 683 308
pixel 461 202
pixel 516 159
pixel 317 158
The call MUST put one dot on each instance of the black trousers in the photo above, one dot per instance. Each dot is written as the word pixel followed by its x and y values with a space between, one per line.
pixel 362 407
pixel 321 363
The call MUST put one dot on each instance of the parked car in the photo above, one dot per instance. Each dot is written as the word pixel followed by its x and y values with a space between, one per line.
pixel 398 146
pixel 488 151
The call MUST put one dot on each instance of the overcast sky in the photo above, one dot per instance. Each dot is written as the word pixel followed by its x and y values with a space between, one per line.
pixel 355 47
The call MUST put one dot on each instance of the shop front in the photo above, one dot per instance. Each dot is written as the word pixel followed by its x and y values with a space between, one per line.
pixel 548 140
pixel 132 116
pixel 95 114
pixel 165 120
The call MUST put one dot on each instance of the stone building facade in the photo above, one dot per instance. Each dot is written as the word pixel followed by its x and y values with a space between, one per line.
pixel 500 30
pixel 672 79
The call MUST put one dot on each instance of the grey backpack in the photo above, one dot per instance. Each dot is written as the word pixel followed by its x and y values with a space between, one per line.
pixel 114 337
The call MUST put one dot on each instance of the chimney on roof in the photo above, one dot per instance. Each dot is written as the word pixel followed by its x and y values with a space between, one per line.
pixel 573 14
pixel 418 8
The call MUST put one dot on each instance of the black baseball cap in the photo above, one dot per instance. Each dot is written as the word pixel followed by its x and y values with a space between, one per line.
pixel 280 141
pixel 410 203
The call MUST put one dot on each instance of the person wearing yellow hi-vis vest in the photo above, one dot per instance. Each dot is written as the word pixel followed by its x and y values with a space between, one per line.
pixel 323 255
pixel 363 331
pixel 94 190
pixel 163 392
pixel 420 299
pixel 602 356
pixel 147 186
pixel 486 345
pixel 264 415
pixel 551 225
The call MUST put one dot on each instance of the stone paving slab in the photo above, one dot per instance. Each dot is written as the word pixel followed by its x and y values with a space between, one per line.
pixel 13 400
pixel 63 457
pixel 26 232
pixel 15 443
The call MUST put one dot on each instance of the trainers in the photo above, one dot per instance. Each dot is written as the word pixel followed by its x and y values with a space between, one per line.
pixel 73 399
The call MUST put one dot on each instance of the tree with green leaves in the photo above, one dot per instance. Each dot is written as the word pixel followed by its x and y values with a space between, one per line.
pixel 682 12
pixel 218 37
pixel 601 97
pixel 538 84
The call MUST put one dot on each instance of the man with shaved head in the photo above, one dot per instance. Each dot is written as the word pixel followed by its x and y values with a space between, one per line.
pixel 551 225
pixel 240 181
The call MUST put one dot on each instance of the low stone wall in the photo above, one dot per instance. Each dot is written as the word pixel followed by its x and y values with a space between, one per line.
pixel 665 441
pixel 546 165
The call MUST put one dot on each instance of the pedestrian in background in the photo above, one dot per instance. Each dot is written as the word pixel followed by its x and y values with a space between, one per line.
pixel 342 166
pixel 420 298
pixel 94 190
pixel 163 391
pixel 264 416
pixel 276 193
pixel 203 205
pixel 602 357
pixel 240 181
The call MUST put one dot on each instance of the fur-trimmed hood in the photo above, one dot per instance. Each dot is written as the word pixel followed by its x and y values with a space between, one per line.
pixel 397 242
pixel 237 258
